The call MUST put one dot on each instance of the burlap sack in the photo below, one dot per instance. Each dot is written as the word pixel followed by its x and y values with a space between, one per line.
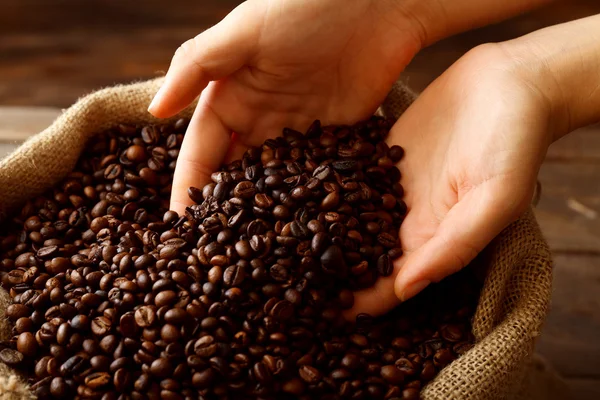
pixel 513 302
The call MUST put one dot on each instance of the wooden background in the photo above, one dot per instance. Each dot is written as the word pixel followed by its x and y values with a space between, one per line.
pixel 52 52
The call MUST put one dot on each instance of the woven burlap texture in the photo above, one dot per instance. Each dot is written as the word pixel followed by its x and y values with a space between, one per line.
pixel 513 302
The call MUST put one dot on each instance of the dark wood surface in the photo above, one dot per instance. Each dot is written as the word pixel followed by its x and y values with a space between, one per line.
pixel 52 52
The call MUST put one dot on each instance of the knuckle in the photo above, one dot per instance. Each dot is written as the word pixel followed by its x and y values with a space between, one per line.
pixel 187 48
pixel 462 254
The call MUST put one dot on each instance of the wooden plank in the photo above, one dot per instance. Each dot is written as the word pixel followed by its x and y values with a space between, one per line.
pixel 18 123
pixel 584 389
pixel 67 48
pixel 432 61
pixel 583 145
pixel 569 208
pixel 6 149
pixel 569 340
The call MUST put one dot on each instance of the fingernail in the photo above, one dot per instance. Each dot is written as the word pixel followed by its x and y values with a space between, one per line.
pixel 155 100
pixel 413 290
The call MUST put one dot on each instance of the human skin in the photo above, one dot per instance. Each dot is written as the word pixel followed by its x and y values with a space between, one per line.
pixel 474 139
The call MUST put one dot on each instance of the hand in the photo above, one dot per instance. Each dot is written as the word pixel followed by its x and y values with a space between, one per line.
pixel 273 64
pixel 475 140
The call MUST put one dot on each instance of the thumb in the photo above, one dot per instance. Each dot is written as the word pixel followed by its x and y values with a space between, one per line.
pixel 212 55
pixel 466 229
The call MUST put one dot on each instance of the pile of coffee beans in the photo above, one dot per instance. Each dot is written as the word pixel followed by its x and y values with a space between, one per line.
pixel 115 297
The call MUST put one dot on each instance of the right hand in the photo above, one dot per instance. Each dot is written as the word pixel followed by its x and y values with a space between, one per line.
pixel 275 64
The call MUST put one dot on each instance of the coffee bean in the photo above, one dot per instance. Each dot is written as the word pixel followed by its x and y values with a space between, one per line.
pixel 23 324
pixel 330 201
pixel 47 251
pixel 145 317
pixel 16 311
pixel 169 333
pixel 388 201
pixel 294 387
pixel 234 275
pixel 121 379
pixel 332 260
pixel 165 298
pixel 113 171
pixel 243 249
pixel 244 190
pixel 11 357
pixel 300 193
pixel 322 172
pixel 161 368
pixel 127 325
pixel 136 153
pixel 27 344
pixel 101 325
pixel 80 322
pixel 387 240
pixel 396 153
pixel 282 310
pixel 97 380
pixel 392 374
pixel 261 373
pixel 204 379
pixel 309 374
pixel 384 265
pixel 73 365
pixel 451 333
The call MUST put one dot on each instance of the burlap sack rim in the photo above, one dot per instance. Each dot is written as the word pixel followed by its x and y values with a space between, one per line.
pixel 507 300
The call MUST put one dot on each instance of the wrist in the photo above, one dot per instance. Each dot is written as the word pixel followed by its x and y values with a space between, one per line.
pixel 560 65
pixel 433 20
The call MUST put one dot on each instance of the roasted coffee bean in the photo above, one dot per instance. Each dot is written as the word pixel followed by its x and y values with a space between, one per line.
pixel 387 240
pixel 145 316
pixel 332 260
pixel 310 374
pixel 392 374
pixel 234 275
pixel 204 379
pixel 384 265
pixel 282 310
pixel 112 171
pixel 97 380
pixel 11 357
pixel 27 344
pixel 16 311
pixel 73 365
pixel 244 190
pixel 396 153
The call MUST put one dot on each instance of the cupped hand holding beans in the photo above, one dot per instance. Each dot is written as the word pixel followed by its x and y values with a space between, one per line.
pixel 474 140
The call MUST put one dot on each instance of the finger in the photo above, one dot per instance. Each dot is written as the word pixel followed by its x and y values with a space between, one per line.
pixel 465 230
pixel 376 300
pixel 237 148
pixel 212 55
pixel 202 152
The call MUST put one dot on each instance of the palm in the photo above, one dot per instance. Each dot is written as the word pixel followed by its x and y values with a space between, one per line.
pixel 309 73
pixel 464 149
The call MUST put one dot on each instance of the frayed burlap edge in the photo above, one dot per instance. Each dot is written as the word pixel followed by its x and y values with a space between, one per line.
pixel 513 302
pixel 46 158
